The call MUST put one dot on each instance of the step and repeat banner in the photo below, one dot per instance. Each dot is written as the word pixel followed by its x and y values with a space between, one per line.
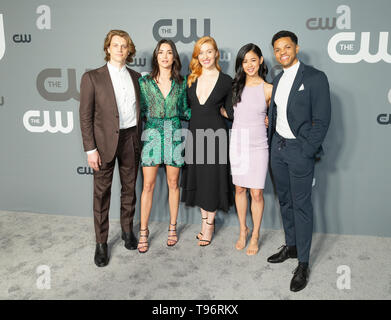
pixel 45 47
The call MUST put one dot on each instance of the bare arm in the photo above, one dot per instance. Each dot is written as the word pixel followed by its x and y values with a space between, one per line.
pixel 268 96
pixel 268 89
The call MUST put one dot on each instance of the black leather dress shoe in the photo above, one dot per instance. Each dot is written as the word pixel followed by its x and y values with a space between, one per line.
pixel 130 240
pixel 285 253
pixel 300 278
pixel 101 256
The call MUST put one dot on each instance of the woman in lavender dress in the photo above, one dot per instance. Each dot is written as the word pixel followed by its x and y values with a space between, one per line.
pixel 249 152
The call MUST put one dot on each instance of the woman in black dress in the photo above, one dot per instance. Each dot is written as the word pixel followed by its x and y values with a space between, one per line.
pixel 206 179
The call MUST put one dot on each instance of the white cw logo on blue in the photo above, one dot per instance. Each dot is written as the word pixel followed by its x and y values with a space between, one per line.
pixel 364 52
pixel 2 37
pixel 345 43
pixel 33 122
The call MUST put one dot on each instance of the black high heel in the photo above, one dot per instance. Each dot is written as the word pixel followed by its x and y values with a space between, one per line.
pixel 198 235
pixel 208 242
pixel 172 235
pixel 143 244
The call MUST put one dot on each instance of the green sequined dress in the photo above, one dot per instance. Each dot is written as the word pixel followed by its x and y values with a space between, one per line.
pixel 162 135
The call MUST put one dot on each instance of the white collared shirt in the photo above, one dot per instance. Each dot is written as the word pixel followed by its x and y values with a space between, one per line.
pixel 124 96
pixel 281 100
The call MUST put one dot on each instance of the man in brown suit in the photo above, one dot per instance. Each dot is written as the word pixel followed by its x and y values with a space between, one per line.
pixel 111 130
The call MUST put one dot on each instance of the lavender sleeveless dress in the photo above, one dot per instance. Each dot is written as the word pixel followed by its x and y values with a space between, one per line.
pixel 249 152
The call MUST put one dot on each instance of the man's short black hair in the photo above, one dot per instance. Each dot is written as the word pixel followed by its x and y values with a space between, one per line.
pixel 283 34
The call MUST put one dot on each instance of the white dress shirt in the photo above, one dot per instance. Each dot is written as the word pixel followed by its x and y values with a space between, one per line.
pixel 281 99
pixel 124 96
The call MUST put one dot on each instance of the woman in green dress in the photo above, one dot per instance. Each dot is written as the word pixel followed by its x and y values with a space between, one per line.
pixel 163 105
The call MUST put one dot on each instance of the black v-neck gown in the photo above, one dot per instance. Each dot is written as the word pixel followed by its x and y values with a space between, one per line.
pixel 208 185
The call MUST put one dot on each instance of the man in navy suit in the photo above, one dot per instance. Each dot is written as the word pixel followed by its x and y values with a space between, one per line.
pixel 299 116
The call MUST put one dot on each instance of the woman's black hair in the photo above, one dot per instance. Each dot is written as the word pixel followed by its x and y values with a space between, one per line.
pixel 240 76
pixel 176 66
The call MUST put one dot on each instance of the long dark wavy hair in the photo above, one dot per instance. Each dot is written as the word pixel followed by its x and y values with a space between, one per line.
pixel 240 76
pixel 176 66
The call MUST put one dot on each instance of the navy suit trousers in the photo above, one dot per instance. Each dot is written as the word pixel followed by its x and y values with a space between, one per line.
pixel 293 174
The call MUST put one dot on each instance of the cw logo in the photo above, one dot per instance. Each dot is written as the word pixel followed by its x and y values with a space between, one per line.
pixel 85 170
pixel 342 22
pixel 335 43
pixel 33 122
pixel 52 78
pixel 43 22
pixel 163 29
pixel 138 62
pixel 22 38
pixel 2 37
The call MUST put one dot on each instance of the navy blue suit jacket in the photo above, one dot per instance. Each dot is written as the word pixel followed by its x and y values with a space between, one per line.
pixel 308 110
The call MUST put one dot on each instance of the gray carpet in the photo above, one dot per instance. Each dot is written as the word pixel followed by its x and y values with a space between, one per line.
pixel 66 245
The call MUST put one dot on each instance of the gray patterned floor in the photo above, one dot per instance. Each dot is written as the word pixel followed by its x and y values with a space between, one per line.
pixel 65 247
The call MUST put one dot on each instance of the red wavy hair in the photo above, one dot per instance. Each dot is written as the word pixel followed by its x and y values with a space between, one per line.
pixel 195 66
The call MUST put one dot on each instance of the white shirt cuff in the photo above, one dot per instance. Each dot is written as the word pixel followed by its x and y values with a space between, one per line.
pixel 91 151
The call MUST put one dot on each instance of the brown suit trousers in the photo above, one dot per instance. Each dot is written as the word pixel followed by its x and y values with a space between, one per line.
pixel 127 155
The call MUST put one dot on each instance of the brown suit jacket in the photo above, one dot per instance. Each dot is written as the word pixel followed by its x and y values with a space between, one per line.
pixel 99 118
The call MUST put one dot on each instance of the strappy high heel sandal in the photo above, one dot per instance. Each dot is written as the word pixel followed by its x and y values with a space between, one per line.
pixel 208 242
pixel 173 241
pixel 143 244
pixel 199 236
